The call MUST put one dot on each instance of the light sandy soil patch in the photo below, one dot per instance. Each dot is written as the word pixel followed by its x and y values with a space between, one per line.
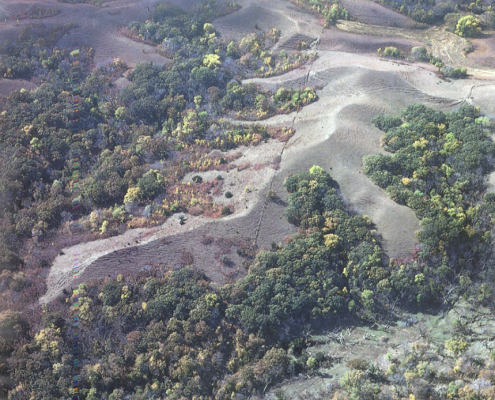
pixel 173 244
pixel 255 169
pixel 122 82
pixel 336 133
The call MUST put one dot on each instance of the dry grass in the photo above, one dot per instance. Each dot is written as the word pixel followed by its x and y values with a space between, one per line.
pixel 339 40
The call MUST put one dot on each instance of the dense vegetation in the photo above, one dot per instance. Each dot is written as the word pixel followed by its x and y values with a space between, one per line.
pixel 175 336
pixel 33 55
pixel 433 11
pixel 172 28
pixel 137 143
pixel 437 167
pixel 432 366
pixel 468 26
pixel 427 11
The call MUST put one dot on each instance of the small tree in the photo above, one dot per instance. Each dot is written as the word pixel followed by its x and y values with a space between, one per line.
pixel 390 51
pixel 197 179
pixel 212 61
pixel 226 211
pixel 150 185
pixel 456 347
pixel 468 26
pixel 132 198
pixel 420 54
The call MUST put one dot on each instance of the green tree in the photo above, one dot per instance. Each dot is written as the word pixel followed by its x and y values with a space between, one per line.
pixel 150 185
pixel 211 61
pixel 468 26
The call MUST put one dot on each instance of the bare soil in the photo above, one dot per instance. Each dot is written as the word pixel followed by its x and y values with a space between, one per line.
pixel 173 245
pixel 484 50
pixel 275 14
pixel 446 45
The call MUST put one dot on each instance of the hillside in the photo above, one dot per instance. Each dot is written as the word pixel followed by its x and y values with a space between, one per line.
pixel 235 200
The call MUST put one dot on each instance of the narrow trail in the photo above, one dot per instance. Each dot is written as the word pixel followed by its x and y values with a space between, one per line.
pixel 265 202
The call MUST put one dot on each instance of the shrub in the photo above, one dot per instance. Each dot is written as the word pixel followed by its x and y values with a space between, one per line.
pixel 229 195
pixel 390 51
pixel 456 347
pixel 358 364
pixel 226 211
pixel 111 292
pixel 225 260
pixel 386 122
pixel 455 73
pixel 420 54
pixel 468 26
pixel 150 185
pixel 197 179
pixel 271 194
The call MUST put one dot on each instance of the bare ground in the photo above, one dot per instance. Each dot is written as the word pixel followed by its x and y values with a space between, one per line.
pixel 484 50
pixel 9 85
pixel 340 40
pixel 173 244
pixel 280 14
